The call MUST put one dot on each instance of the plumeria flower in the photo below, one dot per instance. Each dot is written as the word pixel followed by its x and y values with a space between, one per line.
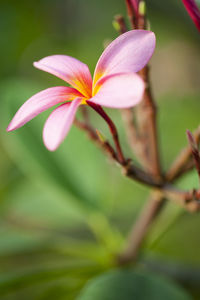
pixel 193 11
pixel 114 84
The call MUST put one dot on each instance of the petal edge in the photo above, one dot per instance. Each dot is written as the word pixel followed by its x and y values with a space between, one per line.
pixel 41 102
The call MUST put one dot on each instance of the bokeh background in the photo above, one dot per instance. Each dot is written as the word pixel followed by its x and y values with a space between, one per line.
pixel 64 214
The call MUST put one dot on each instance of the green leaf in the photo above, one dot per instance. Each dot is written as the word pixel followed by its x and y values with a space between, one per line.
pixel 73 273
pixel 129 285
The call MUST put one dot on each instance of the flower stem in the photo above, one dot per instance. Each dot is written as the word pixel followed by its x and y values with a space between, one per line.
pixel 112 128
pixel 132 12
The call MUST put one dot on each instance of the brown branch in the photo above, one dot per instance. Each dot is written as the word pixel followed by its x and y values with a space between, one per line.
pixel 141 227
pixel 190 200
pixel 148 110
pixel 134 140
pixel 148 126
pixel 90 131
pixel 148 132
pixel 129 169
pixel 133 172
pixel 195 151
pixel 94 137
pixel 183 159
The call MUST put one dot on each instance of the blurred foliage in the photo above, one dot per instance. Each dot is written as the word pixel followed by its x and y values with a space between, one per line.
pixel 64 215
pixel 131 285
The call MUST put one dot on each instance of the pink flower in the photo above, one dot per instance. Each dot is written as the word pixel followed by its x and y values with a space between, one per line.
pixel 114 84
pixel 193 11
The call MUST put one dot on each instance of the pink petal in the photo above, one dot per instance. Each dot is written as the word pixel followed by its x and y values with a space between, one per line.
pixel 130 52
pixel 40 102
pixel 69 69
pixel 193 11
pixel 119 90
pixel 59 123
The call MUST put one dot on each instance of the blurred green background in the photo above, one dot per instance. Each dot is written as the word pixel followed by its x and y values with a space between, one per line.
pixel 64 214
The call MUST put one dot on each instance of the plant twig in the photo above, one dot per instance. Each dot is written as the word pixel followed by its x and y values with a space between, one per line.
pixel 141 227
pixel 182 161
pixel 148 126
pixel 135 141
pixel 113 130
pixel 94 137
pixel 129 169
pixel 135 173
pixel 190 200
pixel 195 151
pixel 132 12
pixel 145 135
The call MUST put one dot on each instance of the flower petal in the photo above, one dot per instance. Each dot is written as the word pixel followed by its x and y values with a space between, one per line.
pixel 119 90
pixel 69 69
pixel 193 11
pixel 40 102
pixel 59 123
pixel 130 52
